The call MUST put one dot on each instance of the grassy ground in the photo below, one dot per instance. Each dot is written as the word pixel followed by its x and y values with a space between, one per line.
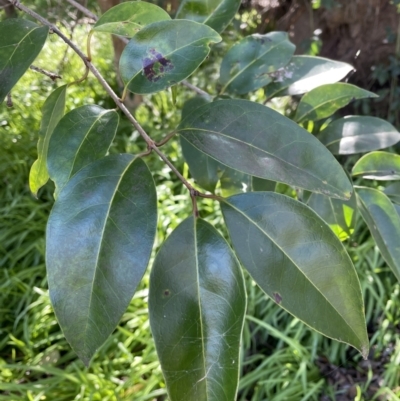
pixel 281 358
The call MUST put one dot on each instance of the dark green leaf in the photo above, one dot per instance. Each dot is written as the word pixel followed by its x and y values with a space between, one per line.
pixel 99 239
pixel 20 43
pixel 325 100
pixel 259 141
pixel 358 134
pixel 340 215
pixel 383 166
pixel 305 73
pixel 299 262
pixel 247 65
pixel 127 18
pixel 259 184
pixel 82 136
pixel 197 303
pixel 393 192
pixel 215 13
pixel 165 53
pixel 52 112
pixel 384 223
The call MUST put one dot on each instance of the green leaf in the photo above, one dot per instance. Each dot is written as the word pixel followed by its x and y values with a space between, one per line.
pixel 358 134
pixel 52 112
pixel 126 19
pixel 99 239
pixel 325 100
pixel 215 13
pixel 384 223
pixel 234 182
pixel 293 255
pixel 259 141
pixel 305 73
pixel 20 43
pixel 259 184
pixel 82 136
pixel 340 215
pixel 393 192
pixel 197 303
pixel 165 53
pixel 247 65
pixel 382 166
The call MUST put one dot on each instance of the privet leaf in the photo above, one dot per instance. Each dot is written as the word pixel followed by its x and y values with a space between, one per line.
pixel 340 215
pixel 247 65
pixel 358 134
pixel 215 13
pixel 127 18
pixel 383 166
pixel 82 136
pixel 52 112
pixel 259 141
pixel 305 73
pixel 20 43
pixel 384 223
pixel 325 100
pixel 298 261
pixel 165 53
pixel 197 303
pixel 99 239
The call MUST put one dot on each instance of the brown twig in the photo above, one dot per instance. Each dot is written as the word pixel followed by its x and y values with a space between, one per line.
pixel 9 100
pixel 83 9
pixel 49 74
pixel 150 143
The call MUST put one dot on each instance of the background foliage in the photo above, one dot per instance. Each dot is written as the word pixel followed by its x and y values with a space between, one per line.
pixel 281 358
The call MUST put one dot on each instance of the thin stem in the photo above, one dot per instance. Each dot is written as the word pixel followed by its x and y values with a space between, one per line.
pixel 49 74
pixel 196 89
pixel 166 139
pixel 88 49
pixel 85 11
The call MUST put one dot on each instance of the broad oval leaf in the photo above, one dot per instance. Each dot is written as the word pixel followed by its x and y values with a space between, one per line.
pixel 382 166
pixel 165 53
pixel 247 65
pixel 384 223
pixel 127 18
pixel 358 134
pixel 98 243
pixel 259 141
pixel 325 100
pixel 82 136
pixel 293 255
pixel 340 215
pixel 215 13
pixel 52 112
pixel 20 43
pixel 393 192
pixel 197 303
pixel 305 73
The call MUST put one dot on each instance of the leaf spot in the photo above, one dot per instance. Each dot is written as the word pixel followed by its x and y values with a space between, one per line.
pixel 166 293
pixel 277 297
pixel 155 65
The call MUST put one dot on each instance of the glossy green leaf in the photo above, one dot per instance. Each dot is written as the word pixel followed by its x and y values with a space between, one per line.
pixel 259 184
pixel 325 100
pixel 358 134
pixel 99 239
pixel 127 18
pixel 82 136
pixel 202 168
pixel 215 13
pixel 165 53
pixel 52 112
pixel 20 43
pixel 247 65
pixel 305 73
pixel 259 141
pixel 383 166
pixel 393 192
pixel 340 215
pixel 293 255
pixel 197 303
pixel 384 223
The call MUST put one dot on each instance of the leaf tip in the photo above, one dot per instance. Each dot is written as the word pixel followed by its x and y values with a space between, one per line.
pixel 365 351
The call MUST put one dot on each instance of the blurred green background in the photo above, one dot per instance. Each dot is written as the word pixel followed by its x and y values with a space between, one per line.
pixel 282 359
